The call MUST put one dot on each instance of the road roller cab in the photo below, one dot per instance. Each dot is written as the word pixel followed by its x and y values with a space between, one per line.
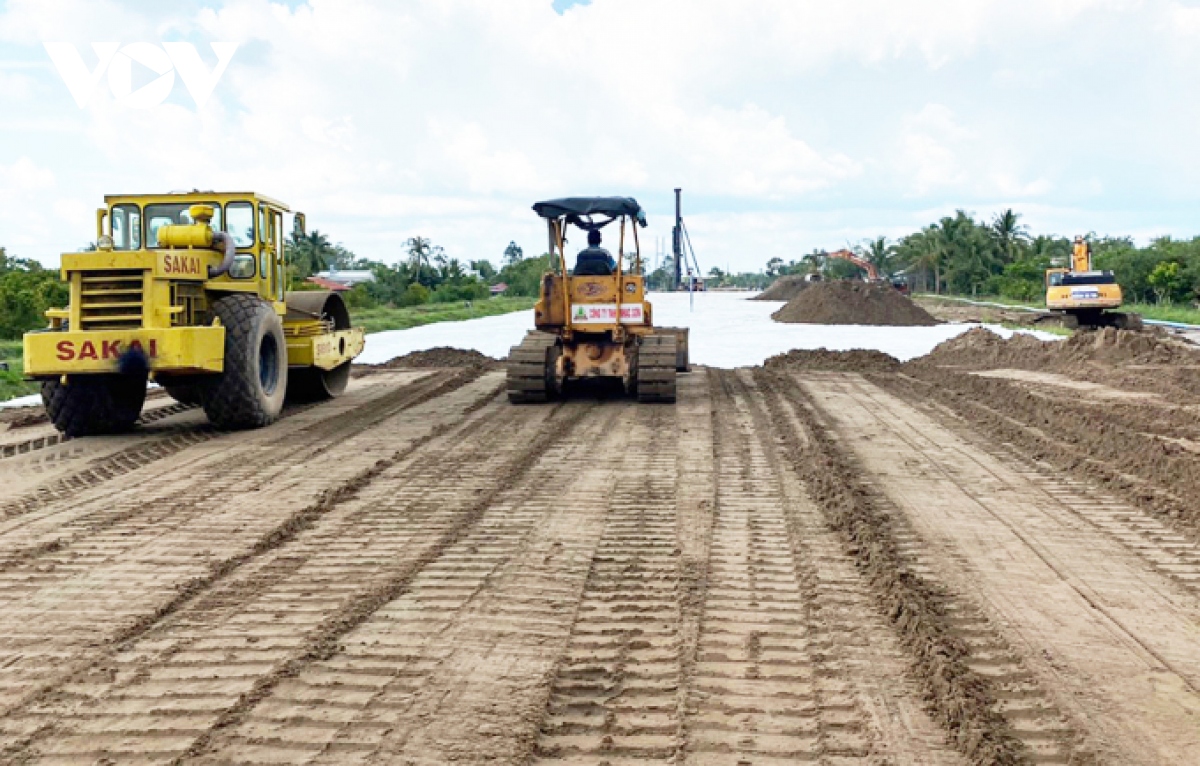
pixel 188 290
pixel 595 324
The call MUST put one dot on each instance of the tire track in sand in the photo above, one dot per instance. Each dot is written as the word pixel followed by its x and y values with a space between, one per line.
pixel 200 474
pixel 925 614
pixel 68 608
pixel 614 692
pixel 200 671
pixel 791 651
pixel 1116 643
pixel 92 480
pixel 875 709
pixel 454 670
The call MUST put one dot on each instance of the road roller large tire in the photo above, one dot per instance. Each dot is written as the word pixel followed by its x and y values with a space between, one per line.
pixel 94 404
pixel 656 365
pixel 533 369
pixel 250 392
pixel 185 390
pixel 312 384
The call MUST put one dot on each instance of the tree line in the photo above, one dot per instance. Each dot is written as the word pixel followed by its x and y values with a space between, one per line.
pixel 27 289
pixel 426 273
pixel 964 256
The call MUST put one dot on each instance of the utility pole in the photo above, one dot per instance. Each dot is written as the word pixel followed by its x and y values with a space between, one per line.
pixel 677 242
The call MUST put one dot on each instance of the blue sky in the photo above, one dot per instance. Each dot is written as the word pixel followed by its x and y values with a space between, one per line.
pixel 791 125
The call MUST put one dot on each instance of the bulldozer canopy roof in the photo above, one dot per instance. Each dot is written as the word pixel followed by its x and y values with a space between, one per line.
pixel 577 206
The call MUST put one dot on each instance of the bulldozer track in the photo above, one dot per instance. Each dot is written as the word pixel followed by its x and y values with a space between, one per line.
pixel 656 363
pixel 763 685
pixel 780 568
pixel 527 369
pixel 479 620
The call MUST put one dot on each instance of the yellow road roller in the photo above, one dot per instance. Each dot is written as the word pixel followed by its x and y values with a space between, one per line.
pixel 188 290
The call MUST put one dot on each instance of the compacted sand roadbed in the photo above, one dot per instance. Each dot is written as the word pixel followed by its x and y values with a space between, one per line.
pixel 781 568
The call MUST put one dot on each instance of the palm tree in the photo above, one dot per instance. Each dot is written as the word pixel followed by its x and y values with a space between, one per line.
pixel 924 253
pixel 310 253
pixel 880 253
pixel 419 250
pixel 1009 234
pixel 513 254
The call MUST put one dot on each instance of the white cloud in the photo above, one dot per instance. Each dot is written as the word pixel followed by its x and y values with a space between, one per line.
pixel 24 176
pixel 936 152
pixel 800 120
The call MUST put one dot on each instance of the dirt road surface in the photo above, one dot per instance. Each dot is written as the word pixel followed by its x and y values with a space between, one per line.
pixel 786 566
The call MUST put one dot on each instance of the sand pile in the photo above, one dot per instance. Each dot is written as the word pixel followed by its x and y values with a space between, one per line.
pixel 783 289
pixel 858 360
pixel 853 303
pixel 441 356
pixel 981 348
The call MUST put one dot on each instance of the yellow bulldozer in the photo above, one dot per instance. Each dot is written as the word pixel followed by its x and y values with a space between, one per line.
pixel 1085 297
pixel 594 321
pixel 188 290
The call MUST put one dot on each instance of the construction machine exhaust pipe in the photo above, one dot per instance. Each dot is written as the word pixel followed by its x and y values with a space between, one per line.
pixel 226 240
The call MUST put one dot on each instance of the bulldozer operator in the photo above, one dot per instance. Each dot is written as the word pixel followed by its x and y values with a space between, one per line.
pixel 594 261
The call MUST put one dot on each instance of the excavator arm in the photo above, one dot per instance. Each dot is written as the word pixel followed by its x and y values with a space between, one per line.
pixel 862 263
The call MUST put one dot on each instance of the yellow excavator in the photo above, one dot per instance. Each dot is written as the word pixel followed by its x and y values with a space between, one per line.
pixel 1085 297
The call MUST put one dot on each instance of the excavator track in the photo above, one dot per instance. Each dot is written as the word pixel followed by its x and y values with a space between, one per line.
pixel 531 373
pixel 656 369
pixel 1096 320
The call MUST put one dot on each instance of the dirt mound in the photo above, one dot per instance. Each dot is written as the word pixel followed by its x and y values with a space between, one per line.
pixel 981 348
pixel 441 356
pixel 853 303
pixel 858 360
pixel 783 289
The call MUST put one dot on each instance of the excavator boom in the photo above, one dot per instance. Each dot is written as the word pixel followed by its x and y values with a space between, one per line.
pixel 862 263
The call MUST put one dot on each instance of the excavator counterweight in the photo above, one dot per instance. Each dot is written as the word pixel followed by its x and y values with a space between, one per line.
pixel 1086 297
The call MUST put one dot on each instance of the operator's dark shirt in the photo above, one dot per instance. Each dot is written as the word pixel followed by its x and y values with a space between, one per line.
pixel 595 262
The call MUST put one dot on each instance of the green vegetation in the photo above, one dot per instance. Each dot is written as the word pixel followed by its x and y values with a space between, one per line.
pixel 392 318
pixel 27 289
pixel 425 275
pixel 1164 312
pixel 1052 329
pixel 959 255
pixel 11 384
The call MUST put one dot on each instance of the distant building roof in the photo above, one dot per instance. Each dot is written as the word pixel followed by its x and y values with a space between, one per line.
pixel 497 288
pixel 328 284
pixel 349 277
